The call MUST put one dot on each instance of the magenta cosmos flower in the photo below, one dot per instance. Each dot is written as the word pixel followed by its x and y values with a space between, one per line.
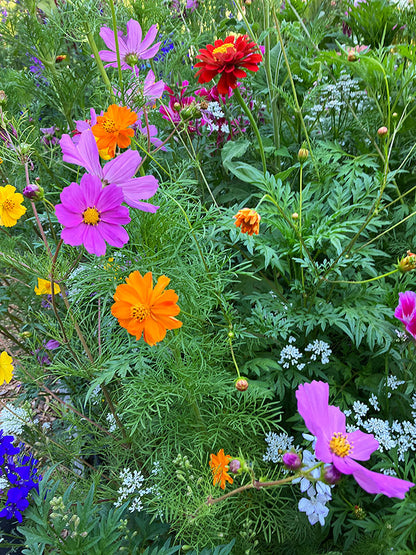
pixel 119 171
pixel 406 311
pixel 92 215
pixel 334 445
pixel 132 47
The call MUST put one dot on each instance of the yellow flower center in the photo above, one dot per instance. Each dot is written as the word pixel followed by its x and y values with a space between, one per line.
pixel 91 216
pixel 140 312
pixel 339 445
pixel 223 48
pixel 109 125
pixel 9 204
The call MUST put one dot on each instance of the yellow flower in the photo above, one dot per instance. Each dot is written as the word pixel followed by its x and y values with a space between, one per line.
pixel 11 208
pixel 6 368
pixel 44 287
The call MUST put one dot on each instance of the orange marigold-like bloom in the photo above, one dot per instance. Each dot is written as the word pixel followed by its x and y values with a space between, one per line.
pixel 248 220
pixel 219 466
pixel 142 309
pixel 112 129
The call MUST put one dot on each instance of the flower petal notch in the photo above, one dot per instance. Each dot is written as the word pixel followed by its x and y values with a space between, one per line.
pixel 145 310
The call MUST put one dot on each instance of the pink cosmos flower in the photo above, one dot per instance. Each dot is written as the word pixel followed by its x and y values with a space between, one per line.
pixel 119 171
pixel 132 47
pixel 138 94
pixel 334 445
pixel 406 311
pixel 92 215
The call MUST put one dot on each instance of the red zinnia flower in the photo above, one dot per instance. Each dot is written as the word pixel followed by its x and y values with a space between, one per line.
pixel 227 58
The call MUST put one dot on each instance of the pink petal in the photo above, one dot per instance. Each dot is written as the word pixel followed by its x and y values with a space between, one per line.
pixel 87 148
pixel 406 310
pixel 313 405
pixel 67 218
pixel 114 234
pixel 149 38
pixel 346 465
pixel 373 482
pixel 139 188
pixel 93 241
pixel 134 36
pixel 149 53
pixel 73 199
pixel 107 35
pixel 122 168
pixel 91 188
pixel 70 151
pixel 363 445
pixel 119 216
pixel 143 206
pixel 108 56
pixel 73 235
pixel 110 198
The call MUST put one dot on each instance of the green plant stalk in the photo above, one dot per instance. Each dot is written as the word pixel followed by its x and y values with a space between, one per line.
pixel 100 64
pixel 248 113
pixel 300 221
pixel 364 280
pixel 269 79
pixel 120 76
pixel 295 96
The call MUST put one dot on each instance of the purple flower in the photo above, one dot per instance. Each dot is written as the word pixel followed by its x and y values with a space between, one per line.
pixel 119 171
pixel 177 102
pixel 92 216
pixel 406 311
pixel 132 47
pixel 292 461
pixel 149 131
pixel 52 344
pixel 334 445
pixel 48 138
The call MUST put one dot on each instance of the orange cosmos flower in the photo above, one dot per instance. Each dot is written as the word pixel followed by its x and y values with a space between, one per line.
pixel 142 309
pixel 112 129
pixel 219 466
pixel 248 220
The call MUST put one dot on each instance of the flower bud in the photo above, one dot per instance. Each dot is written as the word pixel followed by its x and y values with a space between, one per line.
pixel 3 98
pixel 33 191
pixel 382 132
pixel 234 466
pixel 407 263
pixel 177 107
pixel 241 384
pixel 352 56
pixel 60 58
pixel 303 155
pixel 295 216
pixel 292 461
pixel 332 475
pixel 394 114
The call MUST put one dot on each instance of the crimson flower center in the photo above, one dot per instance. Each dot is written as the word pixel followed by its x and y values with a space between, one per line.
pixel 109 125
pixel 9 204
pixel 140 312
pixel 340 445
pixel 91 216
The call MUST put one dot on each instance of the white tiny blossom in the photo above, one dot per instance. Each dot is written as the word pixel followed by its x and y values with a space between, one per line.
pixel 131 484
pixel 360 409
pixel 289 356
pixel 388 471
pixel 4 483
pixel 319 349
pixel 374 402
pixel 215 109
pixel 393 382
pixel 402 336
pixel 112 422
pixel 278 444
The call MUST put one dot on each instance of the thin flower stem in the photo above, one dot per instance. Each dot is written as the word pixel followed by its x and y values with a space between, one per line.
pixel 100 64
pixel 255 484
pixel 35 212
pixel 248 113
pixel 386 231
pixel 295 96
pixel 99 326
pixel 365 280
pixel 120 76
pixel 230 340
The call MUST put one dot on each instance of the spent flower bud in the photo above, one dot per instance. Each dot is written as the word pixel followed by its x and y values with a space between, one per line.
pixel 33 191
pixel 292 461
pixel 332 475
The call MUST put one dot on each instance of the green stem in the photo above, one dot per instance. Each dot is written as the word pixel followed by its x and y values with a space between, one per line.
pixel 100 64
pixel 114 19
pixel 364 280
pixel 248 113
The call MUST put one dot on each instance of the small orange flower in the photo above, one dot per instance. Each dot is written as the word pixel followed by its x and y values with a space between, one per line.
pixel 142 309
pixel 112 129
pixel 248 220
pixel 219 466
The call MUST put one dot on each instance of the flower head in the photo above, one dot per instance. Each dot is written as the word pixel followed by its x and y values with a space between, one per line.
pixel 219 467
pixel 113 128
pixel 406 311
pixel 407 263
pixel 334 445
pixel 6 367
pixel 33 191
pixel 119 171
pixel 248 220
pixel 227 58
pixel 142 309
pixel 44 287
pixel 92 216
pixel 132 48
pixel 11 208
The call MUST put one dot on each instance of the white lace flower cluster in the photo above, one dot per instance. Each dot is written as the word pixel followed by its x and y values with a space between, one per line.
pixel 278 444
pixel 290 355
pixel 390 434
pixel 132 488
